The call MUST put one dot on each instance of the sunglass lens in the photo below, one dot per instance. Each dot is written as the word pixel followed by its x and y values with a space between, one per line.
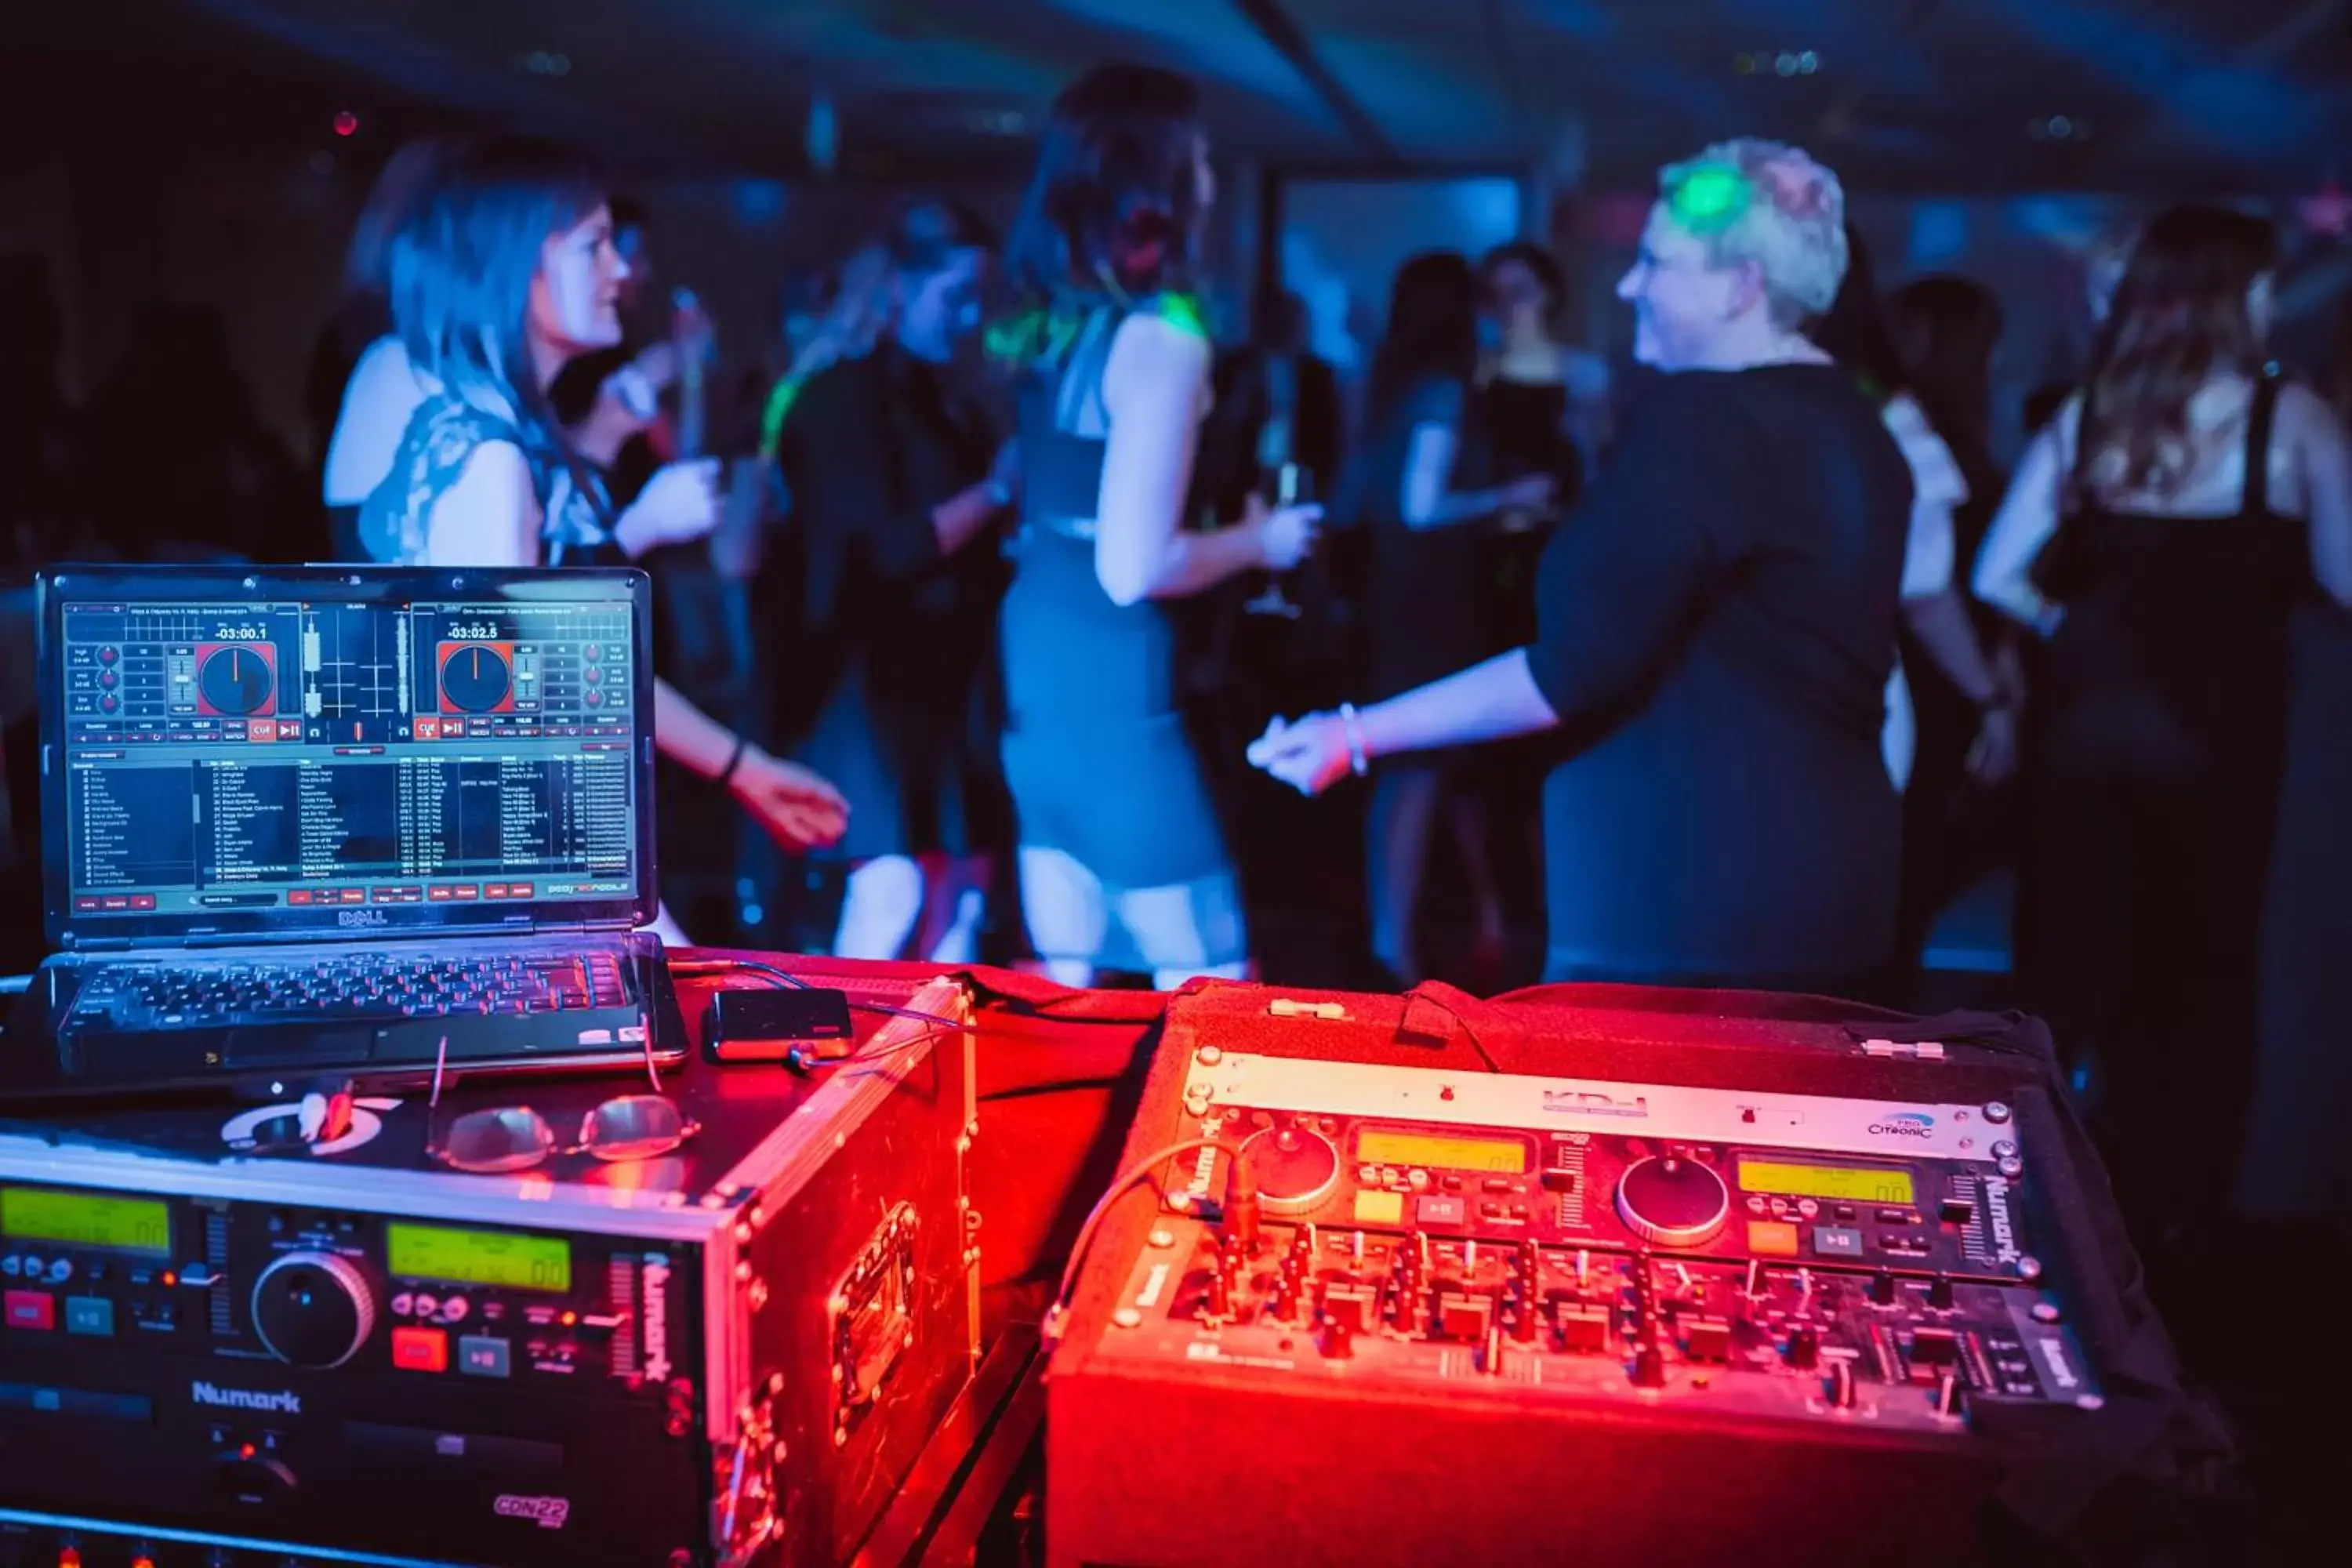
pixel 492 1141
pixel 634 1127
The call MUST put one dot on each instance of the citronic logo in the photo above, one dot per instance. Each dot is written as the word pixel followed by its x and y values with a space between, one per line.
pixel 1904 1124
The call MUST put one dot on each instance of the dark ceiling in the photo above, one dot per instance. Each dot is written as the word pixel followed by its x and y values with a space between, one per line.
pixel 1908 95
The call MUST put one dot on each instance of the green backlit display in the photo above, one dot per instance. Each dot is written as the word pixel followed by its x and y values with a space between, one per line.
pixel 1844 1184
pixel 477 1257
pixel 86 1219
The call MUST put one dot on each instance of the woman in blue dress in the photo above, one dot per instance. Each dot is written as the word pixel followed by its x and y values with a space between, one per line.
pixel 1123 863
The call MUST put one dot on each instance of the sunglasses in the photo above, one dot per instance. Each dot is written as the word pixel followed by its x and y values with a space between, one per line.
pixel 515 1137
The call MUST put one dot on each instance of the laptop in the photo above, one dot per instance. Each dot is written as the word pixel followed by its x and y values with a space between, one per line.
pixel 313 821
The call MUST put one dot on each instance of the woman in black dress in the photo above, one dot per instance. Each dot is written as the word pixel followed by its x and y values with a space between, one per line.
pixel 895 491
pixel 2161 534
pixel 1714 623
pixel 1427 518
pixel 1123 861
pixel 515 276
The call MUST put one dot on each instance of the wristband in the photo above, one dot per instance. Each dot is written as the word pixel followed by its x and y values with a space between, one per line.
pixel 734 761
pixel 1358 761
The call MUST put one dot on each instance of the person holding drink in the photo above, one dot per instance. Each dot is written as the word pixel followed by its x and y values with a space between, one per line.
pixel 1123 861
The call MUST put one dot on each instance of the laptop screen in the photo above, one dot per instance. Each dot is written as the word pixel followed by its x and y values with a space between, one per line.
pixel 343 752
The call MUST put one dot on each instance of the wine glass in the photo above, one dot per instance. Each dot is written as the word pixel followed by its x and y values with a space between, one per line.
pixel 1290 485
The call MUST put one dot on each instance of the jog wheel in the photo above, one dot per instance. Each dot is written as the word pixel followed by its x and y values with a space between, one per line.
pixel 475 679
pixel 1296 1169
pixel 235 681
pixel 1671 1202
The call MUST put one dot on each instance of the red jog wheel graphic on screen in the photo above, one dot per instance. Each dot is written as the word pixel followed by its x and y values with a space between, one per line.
pixel 236 679
pixel 476 677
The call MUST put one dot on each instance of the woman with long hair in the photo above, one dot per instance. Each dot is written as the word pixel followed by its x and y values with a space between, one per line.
pixel 1123 862
pixel 1714 623
pixel 1424 513
pixel 513 272
pixel 1960 815
pixel 897 480
pixel 1939 651
pixel 2161 534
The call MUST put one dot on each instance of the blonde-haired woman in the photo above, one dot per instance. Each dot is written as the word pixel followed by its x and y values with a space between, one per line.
pixel 1716 624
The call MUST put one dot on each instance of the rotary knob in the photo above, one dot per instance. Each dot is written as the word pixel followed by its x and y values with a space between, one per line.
pixel 314 1308
pixel 1671 1202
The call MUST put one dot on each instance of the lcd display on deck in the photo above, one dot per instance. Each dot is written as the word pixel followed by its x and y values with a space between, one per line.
pixel 477 1257
pixel 1397 1148
pixel 1847 1183
pixel 85 1220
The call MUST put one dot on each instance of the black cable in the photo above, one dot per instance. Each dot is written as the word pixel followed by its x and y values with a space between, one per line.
pixel 1056 1316
pixel 1053 1086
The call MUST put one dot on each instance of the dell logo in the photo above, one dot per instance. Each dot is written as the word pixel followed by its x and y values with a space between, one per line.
pixel 287 1402
pixel 359 918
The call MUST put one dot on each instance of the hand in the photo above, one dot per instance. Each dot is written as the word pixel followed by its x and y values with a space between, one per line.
pixel 1310 756
pixel 657 364
pixel 1284 537
pixel 1532 493
pixel 1992 756
pixel 678 504
pixel 799 809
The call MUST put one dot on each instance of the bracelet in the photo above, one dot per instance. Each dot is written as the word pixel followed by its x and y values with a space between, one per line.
pixel 734 761
pixel 1358 761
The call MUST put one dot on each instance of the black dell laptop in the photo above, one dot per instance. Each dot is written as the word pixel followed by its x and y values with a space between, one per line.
pixel 319 820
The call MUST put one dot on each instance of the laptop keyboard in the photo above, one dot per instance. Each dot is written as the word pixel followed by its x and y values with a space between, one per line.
pixel 348 986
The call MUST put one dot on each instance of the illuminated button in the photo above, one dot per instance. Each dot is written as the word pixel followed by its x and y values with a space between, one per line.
pixel 484 1356
pixel 1771 1239
pixel 60 1270
pixel 426 1305
pixel 89 1315
pixel 30 1310
pixel 1808 1208
pixel 420 1350
pixel 402 1304
pixel 1380 1208
pixel 454 1308
pixel 1836 1241
pixel 1439 1211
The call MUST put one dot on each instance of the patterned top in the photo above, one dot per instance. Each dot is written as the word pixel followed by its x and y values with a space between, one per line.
pixel 441 439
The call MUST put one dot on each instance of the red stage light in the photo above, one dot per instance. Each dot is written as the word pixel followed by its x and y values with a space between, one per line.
pixel 346 124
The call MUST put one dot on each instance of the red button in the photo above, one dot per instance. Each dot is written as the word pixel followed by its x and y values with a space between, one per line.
pixel 30 1309
pixel 416 1350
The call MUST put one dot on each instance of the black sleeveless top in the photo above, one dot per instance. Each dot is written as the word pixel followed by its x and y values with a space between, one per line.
pixel 2180 619
pixel 1074 660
